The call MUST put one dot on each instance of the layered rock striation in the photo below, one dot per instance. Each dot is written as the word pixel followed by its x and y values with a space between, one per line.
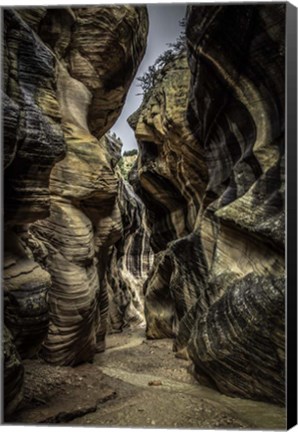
pixel 33 143
pixel 211 172
pixel 172 178
pixel 247 143
pixel 130 260
pixel 66 75
pixel 166 162
pixel 97 57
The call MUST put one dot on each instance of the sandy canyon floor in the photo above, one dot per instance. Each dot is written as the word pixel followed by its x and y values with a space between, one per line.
pixel 139 383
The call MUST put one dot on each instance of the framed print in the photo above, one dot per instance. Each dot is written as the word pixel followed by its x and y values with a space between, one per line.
pixel 149 260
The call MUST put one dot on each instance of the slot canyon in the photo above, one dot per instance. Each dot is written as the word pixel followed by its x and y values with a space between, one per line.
pixel 147 289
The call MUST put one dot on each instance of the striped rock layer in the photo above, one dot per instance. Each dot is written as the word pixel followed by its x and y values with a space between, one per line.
pixel 211 172
pixel 130 260
pixel 66 75
pixel 166 157
pixel 97 55
pixel 33 142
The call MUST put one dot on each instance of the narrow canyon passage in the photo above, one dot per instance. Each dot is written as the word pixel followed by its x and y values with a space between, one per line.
pixel 139 383
pixel 144 288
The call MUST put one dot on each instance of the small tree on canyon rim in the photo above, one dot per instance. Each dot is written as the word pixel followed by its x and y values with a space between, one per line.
pixel 148 80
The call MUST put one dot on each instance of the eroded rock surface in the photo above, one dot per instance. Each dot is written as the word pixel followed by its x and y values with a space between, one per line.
pixel 165 162
pixel 130 260
pixel 13 374
pixel 211 172
pixel 33 142
pixel 33 139
pixel 97 57
pixel 26 286
pixel 66 75
pixel 250 191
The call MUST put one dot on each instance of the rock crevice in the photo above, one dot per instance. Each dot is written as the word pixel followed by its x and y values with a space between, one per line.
pixel 62 187
pixel 211 173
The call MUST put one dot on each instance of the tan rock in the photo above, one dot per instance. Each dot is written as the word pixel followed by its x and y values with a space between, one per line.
pixel 85 219
pixel 211 172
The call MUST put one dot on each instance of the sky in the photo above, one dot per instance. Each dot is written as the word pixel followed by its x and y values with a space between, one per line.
pixel 163 28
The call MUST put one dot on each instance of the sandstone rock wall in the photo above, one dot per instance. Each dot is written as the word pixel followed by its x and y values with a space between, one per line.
pixel 130 262
pixel 66 75
pixel 242 352
pixel 13 376
pixel 33 143
pixel 97 57
pixel 165 162
pixel 211 172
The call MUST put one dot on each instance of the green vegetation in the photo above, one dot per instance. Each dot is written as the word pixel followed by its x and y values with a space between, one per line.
pixel 132 152
pixel 148 80
pixel 114 136
pixel 126 162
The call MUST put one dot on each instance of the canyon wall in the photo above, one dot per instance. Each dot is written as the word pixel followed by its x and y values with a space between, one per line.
pixel 129 262
pixel 33 143
pixel 211 173
pixel 66 76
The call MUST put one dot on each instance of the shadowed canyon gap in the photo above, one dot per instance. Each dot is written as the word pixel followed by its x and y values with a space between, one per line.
pixel 192 246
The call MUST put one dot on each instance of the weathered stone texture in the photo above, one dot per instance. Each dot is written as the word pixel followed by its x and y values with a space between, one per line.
pixel 33 142
pixel 210 171
pixel 26 287
pixel 31 115
pixel 97 56
pixel 130 262
pixel 66 75
pixel 166 157
pixel 215 198
pixel 244 151
pixel 13 375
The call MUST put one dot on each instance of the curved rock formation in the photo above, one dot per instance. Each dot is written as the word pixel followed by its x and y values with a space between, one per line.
pixel 215 199
pixel 130 261
pixel 31 115
pixel 245 162
pixel 97 56
pixel 244 152
pixel 26 286
pixel 66 75
pixel 210 171
pixel 172 179
pixel 166 157
pixel 33 142
pixel 13 375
